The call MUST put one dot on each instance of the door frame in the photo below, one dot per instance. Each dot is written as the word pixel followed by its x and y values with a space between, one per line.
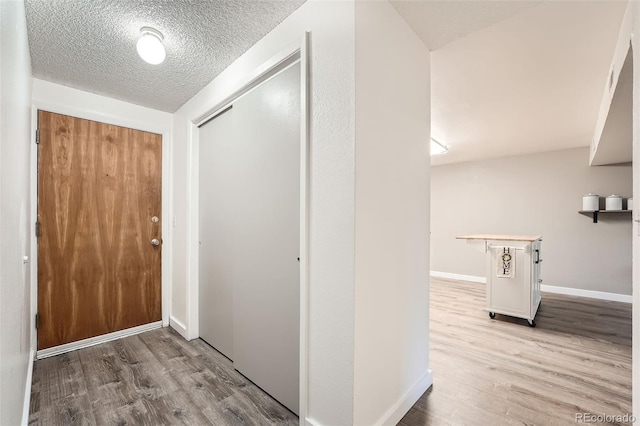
pixel 285 58
pixel 96 114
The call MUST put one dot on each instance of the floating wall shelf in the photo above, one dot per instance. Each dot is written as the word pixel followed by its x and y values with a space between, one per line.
pixel 595 213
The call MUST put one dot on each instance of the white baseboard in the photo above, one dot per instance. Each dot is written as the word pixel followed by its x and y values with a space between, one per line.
pixel 448 275
pixel 85 343
pixel 404 404
pixel 27 389
pixel 568 291
pixel 602 295
pixel 179 327
pixel 398 410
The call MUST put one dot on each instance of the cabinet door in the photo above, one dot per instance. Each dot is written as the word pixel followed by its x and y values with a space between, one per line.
pixel 510 296
pixel 536 259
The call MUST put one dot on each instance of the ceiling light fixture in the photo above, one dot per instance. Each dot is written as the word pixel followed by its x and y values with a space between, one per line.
pixel 150 47
pixel 437 148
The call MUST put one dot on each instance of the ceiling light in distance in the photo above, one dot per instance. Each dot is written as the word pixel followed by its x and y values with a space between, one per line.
pixel 437 148
pixel 150 47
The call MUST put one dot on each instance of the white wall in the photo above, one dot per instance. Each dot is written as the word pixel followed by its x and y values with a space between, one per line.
pixel 15 225
pixel 629 30
pixel 609 90
pixel 388 381
pixel 537 194
pixel 66 100
pixel 391 367
pixel 331 240
pixel 634 10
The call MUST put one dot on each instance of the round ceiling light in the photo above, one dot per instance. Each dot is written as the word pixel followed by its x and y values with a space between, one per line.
pixel 150 47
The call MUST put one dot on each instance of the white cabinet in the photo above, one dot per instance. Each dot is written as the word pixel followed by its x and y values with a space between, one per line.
pixel 513 274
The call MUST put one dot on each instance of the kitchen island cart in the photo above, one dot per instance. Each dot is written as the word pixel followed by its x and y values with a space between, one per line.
pixel 513 274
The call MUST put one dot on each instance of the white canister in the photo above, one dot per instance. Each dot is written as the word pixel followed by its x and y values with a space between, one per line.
pixel 590 202
pixel 630 204
pixel 613 202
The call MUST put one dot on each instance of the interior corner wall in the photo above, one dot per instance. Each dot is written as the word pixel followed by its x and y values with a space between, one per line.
pixel 15 143
pixel 537 194
pixel 329 392
pixel 391 368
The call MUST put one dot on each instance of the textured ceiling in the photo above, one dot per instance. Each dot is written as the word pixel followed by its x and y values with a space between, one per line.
pixel 508 77
pixel 530 83
pixel 91 45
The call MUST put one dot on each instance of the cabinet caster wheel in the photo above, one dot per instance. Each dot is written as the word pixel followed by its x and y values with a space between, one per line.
pixel 532 323
pixel 492 315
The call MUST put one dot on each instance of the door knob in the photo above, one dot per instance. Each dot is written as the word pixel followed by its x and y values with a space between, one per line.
pixel 155 242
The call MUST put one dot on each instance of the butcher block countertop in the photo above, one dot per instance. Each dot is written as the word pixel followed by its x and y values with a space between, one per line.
pixel 500 237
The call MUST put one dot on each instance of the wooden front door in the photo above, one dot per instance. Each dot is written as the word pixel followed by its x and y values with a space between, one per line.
pixel 99 203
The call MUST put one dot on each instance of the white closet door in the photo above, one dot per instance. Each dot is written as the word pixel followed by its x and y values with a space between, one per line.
pixel 250 212
pixel 218 249
pixel 266 318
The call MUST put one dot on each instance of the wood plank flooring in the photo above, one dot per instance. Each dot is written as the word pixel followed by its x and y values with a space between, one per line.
pixel 503 372
pixel 486 372
pixel 154 378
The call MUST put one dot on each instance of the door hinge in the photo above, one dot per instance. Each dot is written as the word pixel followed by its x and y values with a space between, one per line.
pixel 37 136
pixel 37 229
pixel 37 320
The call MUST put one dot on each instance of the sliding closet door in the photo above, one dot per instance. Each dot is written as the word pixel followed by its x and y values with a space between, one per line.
pixel 266 317
pixel 250 233
pixel 219 252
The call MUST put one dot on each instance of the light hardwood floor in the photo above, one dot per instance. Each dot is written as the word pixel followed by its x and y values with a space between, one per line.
pixel 486 372
pixel 503 372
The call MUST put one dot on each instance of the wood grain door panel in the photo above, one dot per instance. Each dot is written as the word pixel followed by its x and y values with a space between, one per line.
pixel 99 185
